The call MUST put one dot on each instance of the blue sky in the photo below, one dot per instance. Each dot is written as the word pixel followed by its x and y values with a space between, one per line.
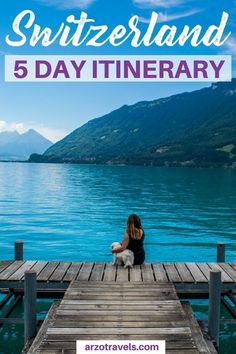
pixel 56 109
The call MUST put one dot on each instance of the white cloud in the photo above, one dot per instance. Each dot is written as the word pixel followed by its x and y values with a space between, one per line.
pixel 176 9
pixel 159 3
pixel 68 4
pixel 52 134
pixel 164 17
pixel 5 126
pixel 230 46
pixel 49 133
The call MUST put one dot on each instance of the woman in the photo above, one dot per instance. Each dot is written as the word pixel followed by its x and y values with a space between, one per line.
pixel 133 239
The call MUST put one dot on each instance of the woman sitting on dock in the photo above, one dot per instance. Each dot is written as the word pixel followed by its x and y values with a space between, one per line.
pixel 133 239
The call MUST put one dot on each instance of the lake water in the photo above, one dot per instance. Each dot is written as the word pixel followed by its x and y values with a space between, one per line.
pixel 74 212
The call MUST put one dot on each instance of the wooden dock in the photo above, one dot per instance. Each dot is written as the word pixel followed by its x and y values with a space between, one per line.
pixel 102 301
pixel 120 311
pixel 58 275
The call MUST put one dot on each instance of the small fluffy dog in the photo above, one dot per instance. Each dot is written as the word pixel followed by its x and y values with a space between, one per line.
pixel 125 257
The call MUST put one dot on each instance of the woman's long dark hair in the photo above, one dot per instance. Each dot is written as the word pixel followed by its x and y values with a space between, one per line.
pixel 134 227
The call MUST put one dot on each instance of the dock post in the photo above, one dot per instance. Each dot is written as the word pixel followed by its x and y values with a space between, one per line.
pixel 214 305
pixel 18 250
pixel 30 314
pixel 220 252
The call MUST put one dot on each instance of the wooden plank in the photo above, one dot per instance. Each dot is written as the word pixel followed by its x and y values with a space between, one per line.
pixel 19 274
pixel 59 351
pixel 124 285
pixel 166 331
pixel 110 292
pixel 224 276
pixel 122 274
pixel 114 309
pixel 71 316
pixel 233 265
pixel 184 273
pixel 123 324
pixel 123 307
pixel 39 266
pixel 4 265
pixel 147 272
pixel 65 351
pixel 60 271
pixel 85 271
pixel 72 272
pixel 122 302
pixel 136 274
pixel 43 329
pixel 172 273
pixel 97 312
pixel 182 351
pixel 11 269
pixel 114 284
pixel 205 269
pixel 110 297
pixel 159 272
pixel 97 271
pixel 47 271
pixel 109 272
pixel 196 273
pixel 229 270
pixel 114 291
pixel 201 344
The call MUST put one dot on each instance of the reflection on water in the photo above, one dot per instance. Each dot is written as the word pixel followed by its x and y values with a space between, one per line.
pixel 12 335
pixel 74 212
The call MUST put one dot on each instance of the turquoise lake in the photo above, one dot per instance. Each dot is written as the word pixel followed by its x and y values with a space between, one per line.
pixel 74 212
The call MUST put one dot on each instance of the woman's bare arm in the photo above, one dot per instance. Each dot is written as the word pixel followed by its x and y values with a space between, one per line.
pixel 124 244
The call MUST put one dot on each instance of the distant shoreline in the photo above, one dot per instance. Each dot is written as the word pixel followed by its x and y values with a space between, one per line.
pixel 125 165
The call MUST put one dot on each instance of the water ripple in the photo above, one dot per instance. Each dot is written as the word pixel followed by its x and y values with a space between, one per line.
pixel 74 212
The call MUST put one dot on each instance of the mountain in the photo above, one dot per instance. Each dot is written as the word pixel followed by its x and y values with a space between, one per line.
pixel 193 129
pixel 15 146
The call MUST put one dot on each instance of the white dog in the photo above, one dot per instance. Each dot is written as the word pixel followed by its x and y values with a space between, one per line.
pixel 125 257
